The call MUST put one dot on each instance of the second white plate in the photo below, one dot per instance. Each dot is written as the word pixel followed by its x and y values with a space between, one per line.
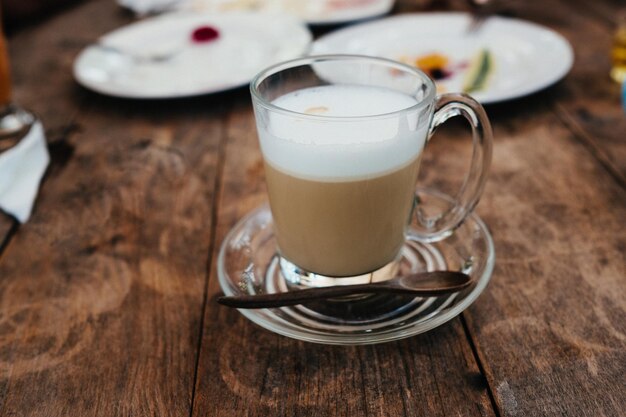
pixel 526 57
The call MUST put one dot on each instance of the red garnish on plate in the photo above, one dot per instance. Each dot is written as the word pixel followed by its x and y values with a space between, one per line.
pixel 204 34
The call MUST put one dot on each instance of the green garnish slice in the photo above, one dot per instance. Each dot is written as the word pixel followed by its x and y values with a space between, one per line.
pixel 479 73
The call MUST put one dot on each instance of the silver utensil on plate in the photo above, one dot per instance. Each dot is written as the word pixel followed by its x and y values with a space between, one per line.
pixel 480 10
pixel 154 56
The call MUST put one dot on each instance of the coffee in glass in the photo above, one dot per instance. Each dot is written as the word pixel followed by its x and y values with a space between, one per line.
pixel 342 138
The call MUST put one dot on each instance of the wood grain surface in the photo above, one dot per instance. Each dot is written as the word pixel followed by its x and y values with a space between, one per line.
pixel 107 295
pixel 550 331
pixel 589 103
pixel 101 292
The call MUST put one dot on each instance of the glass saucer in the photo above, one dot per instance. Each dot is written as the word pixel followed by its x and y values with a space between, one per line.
pixel 248 264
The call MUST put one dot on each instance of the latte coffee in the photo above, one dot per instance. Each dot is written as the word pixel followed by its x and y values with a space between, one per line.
pixel 341 227
pixel 341 186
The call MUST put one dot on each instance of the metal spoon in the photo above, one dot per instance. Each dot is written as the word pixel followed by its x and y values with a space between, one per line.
pixel 480 10
pixel 151 57
pixel 425 284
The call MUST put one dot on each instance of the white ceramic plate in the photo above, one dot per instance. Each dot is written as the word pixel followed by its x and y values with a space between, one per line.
pixel 247 43
pixel 315 12
pixel 526 57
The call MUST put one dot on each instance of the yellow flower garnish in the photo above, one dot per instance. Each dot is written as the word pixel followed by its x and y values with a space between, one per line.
pixel 431 62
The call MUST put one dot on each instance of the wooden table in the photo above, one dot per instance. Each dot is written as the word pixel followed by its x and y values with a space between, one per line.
pixel 107 295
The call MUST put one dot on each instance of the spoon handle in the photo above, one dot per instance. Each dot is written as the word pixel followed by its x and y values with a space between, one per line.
pixel 302 296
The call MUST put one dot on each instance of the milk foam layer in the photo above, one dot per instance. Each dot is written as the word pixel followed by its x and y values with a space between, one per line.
pixel 340 146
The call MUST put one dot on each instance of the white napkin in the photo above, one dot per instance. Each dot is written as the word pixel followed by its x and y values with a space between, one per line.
pixel 21 169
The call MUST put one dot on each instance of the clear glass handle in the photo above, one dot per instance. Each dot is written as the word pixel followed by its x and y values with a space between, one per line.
pixel 431 229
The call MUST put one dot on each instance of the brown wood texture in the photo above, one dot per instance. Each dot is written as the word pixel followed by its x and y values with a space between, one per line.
pixel 550 331
pixel 107 307
pixel 101 292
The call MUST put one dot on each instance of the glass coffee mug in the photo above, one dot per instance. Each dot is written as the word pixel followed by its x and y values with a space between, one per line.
pixel 342 138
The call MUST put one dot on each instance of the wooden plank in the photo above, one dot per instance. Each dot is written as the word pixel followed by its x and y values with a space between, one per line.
pixel 604 10
pixel 101 292
pixel 557 313
pixel 246 370
pixel 550 328
pixel 6 225
pixel 589 103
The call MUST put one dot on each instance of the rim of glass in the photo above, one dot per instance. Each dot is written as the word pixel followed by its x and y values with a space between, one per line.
pixel 308 60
